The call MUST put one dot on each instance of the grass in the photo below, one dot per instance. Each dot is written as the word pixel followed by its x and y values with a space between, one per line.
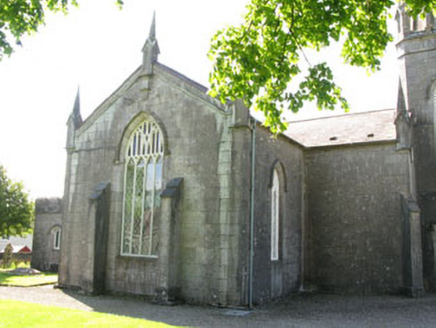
pixel 23 314
pixel 26 281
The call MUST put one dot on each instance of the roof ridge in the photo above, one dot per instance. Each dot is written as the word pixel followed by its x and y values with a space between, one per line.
pixel 341 115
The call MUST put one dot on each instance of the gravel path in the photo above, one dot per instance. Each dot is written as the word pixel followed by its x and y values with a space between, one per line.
pixel 297 311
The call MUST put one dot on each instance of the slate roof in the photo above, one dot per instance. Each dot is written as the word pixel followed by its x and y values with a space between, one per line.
pixel 366 127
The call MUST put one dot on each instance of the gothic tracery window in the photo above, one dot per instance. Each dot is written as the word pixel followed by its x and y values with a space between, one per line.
pixel 142 186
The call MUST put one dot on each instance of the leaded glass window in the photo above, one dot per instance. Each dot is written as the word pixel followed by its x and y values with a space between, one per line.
pixel 275 198
pixel 142 186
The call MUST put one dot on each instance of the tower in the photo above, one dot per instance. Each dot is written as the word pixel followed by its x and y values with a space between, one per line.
pixel 417 91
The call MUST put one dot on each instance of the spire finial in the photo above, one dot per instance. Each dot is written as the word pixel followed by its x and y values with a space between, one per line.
pixel 75 115
pixel 152 34
pixel 151 48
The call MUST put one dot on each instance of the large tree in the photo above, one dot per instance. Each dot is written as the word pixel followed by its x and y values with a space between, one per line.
pixel 258 60
pixel 16 209
pixel 20 17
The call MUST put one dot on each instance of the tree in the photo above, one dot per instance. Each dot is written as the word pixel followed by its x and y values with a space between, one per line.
pixel 258 60
pixel 16 209
pixel 20 17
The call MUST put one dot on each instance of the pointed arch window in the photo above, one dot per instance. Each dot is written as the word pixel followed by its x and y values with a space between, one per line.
pixel 142 186
pixel 57 237
pixel 275 207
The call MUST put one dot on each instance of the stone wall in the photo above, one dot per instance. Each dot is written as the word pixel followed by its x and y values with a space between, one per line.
pixel 48 216
pixel 198 148
pixel 355 212
pixel 277 278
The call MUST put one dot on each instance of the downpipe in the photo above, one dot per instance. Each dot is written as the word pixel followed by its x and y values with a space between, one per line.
pixel 251 253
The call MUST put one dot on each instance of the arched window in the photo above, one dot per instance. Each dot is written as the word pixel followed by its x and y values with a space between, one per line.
pixel 275 202
pixel 56 237
pixel 142 185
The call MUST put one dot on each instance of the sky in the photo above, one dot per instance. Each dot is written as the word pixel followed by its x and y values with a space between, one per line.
pixel 98 46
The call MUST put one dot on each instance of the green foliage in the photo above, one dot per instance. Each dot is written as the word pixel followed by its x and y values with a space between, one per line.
pixel 258 60
pixel 16 209
pixel 20 17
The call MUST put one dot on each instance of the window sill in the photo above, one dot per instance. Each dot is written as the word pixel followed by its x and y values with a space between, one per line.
pixel 139 257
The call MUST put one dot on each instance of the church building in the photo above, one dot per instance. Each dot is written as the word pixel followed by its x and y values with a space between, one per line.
pixel 173 195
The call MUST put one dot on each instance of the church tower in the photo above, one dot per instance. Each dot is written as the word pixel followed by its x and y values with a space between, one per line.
pixel 417 91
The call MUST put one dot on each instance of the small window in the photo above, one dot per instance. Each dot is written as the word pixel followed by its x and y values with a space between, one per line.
pixel 275 202
pixel 57 238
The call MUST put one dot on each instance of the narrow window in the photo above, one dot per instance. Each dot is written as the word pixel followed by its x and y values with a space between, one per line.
pixel 275 198
pixel 434 112
pixel 56 238
pixel 142 186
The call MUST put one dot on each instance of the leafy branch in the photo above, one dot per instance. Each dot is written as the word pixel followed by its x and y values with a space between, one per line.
pixel 24 17
pixel 259 61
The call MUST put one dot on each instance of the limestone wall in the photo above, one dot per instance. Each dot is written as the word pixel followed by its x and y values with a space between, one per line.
pixel 198 148
pixel 354 207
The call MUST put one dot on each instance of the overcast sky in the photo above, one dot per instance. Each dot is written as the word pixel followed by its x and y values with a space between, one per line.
pixel 97 47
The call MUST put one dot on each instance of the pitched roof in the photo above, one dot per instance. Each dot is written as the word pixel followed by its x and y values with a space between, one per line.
pixel 344 129
pixel 18 249
pixel 16 241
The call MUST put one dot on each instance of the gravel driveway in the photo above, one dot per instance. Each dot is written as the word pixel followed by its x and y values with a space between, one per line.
pixel 298 311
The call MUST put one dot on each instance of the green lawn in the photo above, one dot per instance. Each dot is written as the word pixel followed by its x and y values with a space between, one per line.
pixel 23 314
pixel 26 281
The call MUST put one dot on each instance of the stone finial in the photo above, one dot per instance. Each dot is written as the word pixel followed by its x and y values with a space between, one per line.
pixel 401 101
pixel 152 34
pixel 151 48
pixel 75 115
pixel 403 121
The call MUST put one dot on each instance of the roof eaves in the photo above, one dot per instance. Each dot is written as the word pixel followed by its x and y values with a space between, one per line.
pixel 352 144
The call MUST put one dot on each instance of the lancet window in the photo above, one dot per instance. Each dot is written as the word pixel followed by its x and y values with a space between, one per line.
pixel 275 202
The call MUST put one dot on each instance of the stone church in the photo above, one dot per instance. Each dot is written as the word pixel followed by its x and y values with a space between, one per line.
pixel 173 195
